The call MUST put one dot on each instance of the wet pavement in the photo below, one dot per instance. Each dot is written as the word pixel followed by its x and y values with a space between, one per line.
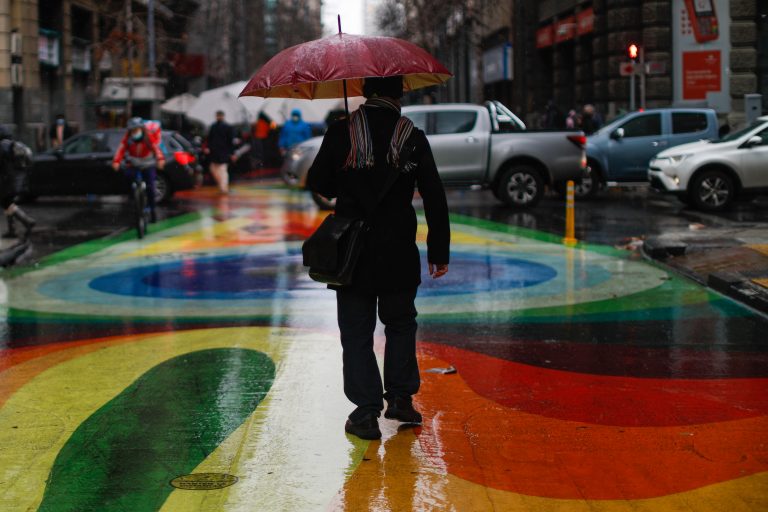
pixel 200 369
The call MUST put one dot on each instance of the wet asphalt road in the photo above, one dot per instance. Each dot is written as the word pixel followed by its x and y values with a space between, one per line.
pixel 202 357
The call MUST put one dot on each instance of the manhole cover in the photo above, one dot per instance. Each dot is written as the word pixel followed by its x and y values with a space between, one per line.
pixel 203 481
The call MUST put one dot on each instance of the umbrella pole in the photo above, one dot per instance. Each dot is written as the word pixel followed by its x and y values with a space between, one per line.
pixel 343 82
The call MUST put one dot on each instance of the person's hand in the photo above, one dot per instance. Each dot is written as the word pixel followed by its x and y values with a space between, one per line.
pixel 160 165
pixel 438 270
pixel 115 166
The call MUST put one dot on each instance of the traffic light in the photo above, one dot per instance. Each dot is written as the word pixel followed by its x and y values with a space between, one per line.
pixel 633 51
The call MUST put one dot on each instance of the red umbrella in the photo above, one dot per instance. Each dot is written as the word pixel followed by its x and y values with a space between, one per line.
pixel 333 65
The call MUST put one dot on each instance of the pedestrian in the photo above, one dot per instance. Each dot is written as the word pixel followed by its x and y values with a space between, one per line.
pixel 572 121
pixel 220 150
pixel 259 133
pixel 295 131
pixel 589 122
pixel 140 148
pixel 352 165
pixel 15 160
pixel 59 131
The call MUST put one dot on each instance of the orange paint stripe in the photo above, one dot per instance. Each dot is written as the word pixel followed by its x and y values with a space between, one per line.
pixel 495 446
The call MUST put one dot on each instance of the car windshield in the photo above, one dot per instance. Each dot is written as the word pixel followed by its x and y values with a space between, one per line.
pixel 740 133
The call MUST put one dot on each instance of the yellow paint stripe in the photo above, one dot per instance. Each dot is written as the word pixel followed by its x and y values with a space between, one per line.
pixel 762 248
pixel 210 232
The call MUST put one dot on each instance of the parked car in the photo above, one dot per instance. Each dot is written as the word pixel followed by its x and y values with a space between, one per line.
pixel 620 151
pixel 476 145
pixel 712 174
pixel 82 165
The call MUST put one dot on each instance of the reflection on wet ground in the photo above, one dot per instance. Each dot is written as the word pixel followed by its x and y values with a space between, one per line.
pixel 587 379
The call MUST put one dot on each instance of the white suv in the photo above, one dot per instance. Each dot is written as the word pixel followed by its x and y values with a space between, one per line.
pixel 711 174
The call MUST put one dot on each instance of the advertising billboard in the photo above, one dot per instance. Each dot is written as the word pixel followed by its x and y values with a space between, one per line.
pixel 701 50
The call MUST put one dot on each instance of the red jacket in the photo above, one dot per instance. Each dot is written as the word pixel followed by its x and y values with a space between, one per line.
pixel 144 151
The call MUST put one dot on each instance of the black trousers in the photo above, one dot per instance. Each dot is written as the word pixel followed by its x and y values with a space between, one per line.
pixel 357 321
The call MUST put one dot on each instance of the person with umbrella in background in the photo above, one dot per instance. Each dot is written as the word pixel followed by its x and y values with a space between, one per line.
pixel 294 131
pixel 220 150
pixel 360 157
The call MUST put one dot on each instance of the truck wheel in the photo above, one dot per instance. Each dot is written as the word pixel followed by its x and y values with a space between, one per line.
pixel 712 191
pixel 520 186
pixel 323 202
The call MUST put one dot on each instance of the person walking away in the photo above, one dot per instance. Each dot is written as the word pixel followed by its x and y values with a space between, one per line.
pixel 589 123
pixel 295 131
pixel 144 155
pixel 572 121
pixel 259 134
pixel 353 164
pixel 59 131
pixel 15 160
pixel 220 150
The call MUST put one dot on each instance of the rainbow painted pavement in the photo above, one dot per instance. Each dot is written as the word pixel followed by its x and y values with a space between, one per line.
pixel 199 369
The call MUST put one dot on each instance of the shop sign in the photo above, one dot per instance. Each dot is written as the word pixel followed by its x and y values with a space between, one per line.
pixel 48 47
pixel 81 59
pixel 565 29
pixel 585 21
pixel 545 36
pixel 497 64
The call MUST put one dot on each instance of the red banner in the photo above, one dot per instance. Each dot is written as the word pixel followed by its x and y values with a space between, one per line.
pixel 545 36
pixel 585 21
pixel 565 29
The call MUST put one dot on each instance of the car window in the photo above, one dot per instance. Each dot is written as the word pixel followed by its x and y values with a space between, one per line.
pixel 113 140
pixel 643 126
pixel 419 119
pixel 80 145
pixel 763 135
pixel 688 122
pixel 454 122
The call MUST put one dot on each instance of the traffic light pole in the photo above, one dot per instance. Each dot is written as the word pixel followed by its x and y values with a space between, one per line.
pixel 632 88
pixel 642 78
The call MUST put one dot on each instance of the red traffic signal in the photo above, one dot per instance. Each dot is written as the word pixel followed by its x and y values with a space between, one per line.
pixel 633 51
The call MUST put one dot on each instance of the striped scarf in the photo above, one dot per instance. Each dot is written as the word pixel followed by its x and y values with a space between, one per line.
pixel 361 152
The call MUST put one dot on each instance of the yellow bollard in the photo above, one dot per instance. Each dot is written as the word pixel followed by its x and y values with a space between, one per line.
pixel 570 219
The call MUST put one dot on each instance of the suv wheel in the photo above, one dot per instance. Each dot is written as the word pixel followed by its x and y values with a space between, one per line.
pixel 520 186
pixel 323 202
pixel 712 190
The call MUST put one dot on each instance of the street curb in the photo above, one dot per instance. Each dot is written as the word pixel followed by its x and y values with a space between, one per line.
pixel 740 288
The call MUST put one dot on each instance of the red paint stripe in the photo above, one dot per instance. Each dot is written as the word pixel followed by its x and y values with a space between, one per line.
pixel 606 400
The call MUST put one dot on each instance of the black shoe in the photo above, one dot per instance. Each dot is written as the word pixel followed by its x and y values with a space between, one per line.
pixel 401 409
pixel 366 428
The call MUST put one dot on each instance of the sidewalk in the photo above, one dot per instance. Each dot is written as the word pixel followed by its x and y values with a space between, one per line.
pixel 732 261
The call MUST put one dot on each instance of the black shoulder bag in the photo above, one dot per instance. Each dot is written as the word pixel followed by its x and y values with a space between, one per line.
pixel 332 252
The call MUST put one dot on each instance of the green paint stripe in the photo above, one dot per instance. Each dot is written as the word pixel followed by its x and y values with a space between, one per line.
pixel 160 427
pixel 99 244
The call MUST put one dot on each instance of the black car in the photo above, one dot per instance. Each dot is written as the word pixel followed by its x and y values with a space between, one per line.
pixel 83 165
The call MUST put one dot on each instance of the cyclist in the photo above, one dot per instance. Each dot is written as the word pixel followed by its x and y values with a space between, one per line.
pixel 144 154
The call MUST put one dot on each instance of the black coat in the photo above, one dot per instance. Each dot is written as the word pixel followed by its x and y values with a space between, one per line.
pixel 221 142
pixel 390 259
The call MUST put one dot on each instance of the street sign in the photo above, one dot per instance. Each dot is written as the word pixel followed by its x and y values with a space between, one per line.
pixel 627 68
pixel 655 68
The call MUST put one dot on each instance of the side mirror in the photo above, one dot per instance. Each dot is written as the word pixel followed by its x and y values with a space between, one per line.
pixel 753 141
pixel 618 134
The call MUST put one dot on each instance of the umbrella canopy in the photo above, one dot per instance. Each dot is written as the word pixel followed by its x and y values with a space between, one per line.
pixel 179 104
pixel 317 69
pixel 224 98
pixel 315 111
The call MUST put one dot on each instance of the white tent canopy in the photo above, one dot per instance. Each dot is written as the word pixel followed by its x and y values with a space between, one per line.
pixel 179 104
pixel 246 110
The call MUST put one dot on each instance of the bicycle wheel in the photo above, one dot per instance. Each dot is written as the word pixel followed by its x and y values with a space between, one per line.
pixel 139 201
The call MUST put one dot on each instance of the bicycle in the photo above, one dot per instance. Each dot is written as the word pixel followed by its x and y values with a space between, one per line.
pixel 139 198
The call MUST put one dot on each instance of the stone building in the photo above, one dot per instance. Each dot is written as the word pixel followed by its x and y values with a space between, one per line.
pixel 572 52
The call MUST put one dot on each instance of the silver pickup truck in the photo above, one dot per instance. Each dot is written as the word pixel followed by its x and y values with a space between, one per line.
pixel 479 145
